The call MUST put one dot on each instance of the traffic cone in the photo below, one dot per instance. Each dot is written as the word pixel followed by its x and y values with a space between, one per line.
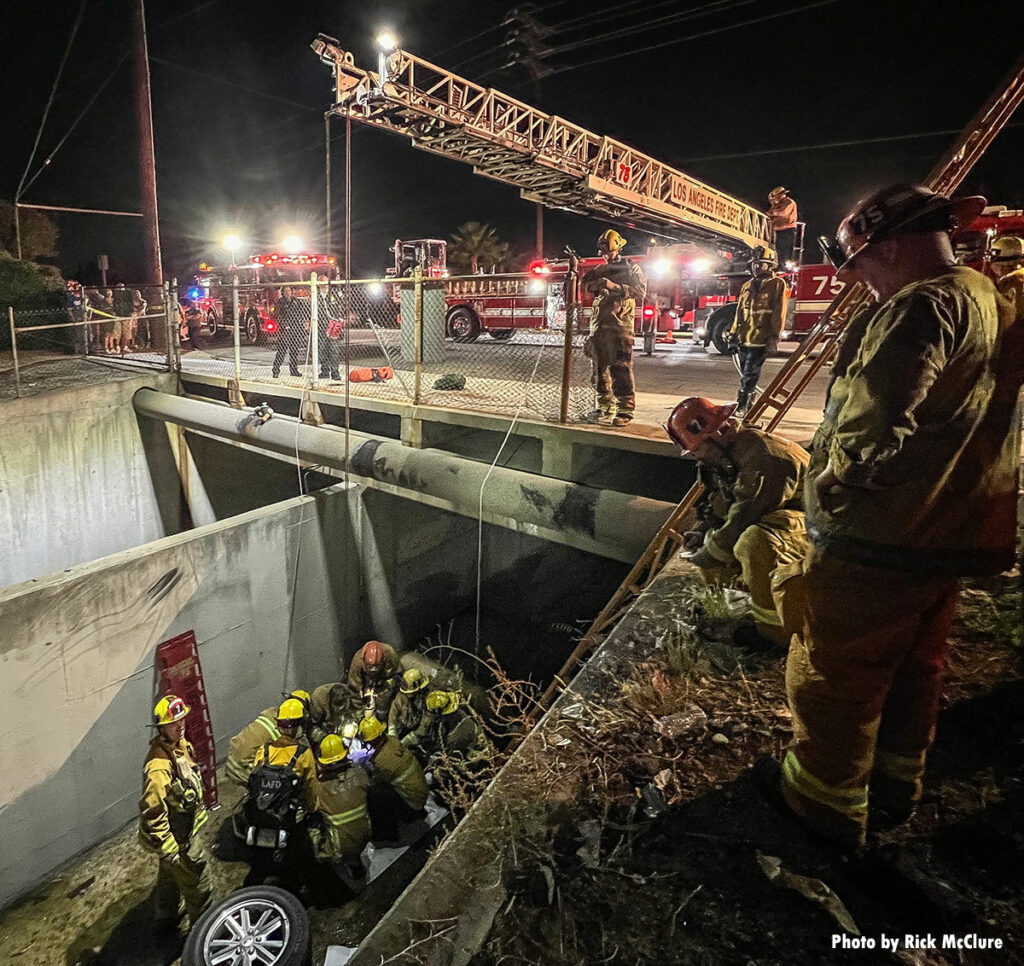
pixel 668 338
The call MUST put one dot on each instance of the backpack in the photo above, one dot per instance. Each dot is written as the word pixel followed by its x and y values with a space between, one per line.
pixel 370 374
pixel 274 793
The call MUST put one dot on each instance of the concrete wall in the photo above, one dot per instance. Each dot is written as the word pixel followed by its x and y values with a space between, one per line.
pixel 278 597
pixel 81 477
pixel 272 596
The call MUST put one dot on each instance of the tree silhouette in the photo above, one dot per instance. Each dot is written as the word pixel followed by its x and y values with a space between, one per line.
pixel 38 233
pixel 476 248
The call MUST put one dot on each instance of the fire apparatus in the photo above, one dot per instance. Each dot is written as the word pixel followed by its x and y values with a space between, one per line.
pixel 260 281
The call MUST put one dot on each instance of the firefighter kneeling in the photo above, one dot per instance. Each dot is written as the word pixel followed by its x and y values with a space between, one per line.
pixel 171 813
pixel 753 512
pixel 399 790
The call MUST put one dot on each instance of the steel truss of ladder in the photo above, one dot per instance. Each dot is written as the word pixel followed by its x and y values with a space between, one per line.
pixel 552 161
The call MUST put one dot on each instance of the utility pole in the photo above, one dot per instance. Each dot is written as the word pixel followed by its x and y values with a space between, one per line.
pixel 147 158
pixel 540 231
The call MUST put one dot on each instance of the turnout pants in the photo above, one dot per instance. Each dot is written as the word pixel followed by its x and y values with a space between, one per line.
pixel 864 681
pixel 751 360
pixel 612 354
pixel 183 883
pixel 779 540
pixel 288 341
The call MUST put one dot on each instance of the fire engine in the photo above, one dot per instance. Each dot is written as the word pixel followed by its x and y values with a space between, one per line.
pixel 260 281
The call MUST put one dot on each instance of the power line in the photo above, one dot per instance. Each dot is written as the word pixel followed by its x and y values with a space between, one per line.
pixel 49 103
pixel 706 9
pixel 697 36
pixel 85 110
pixel 187 13
pixel 651 24
pixel 230 83
pixel 829 145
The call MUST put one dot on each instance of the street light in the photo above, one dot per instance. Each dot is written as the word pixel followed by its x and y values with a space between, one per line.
pixel 232 243
pixel 387 44
pixel 292 244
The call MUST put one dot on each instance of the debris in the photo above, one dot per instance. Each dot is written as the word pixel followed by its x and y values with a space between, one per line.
pixel 589 853
pixel 81 887
pixel 654 800
pixel 813 889
pixel 719 739
pixel 450 381
pixel 661 683
pixel 690 720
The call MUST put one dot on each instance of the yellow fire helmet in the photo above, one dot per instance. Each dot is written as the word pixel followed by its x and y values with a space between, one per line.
pixel 444 701
pixel 291 710
pixel 371 728
pixel 610 241
pixel 1007 248
pixel 169 708
pixel 776 193
pixel 413 680
pixel 299 695
pixel 332 750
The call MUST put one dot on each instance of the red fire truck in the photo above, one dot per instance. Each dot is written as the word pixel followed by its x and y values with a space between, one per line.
pixel 260 282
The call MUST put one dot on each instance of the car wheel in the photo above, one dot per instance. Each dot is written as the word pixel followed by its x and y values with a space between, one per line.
pixel 502 335
pixel 719 323
pixel 463 325
pixel 259 924
pixel 211 322
pixel 253 325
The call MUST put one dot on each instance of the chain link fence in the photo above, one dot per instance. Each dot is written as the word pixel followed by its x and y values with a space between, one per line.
pixel 49 348
pixel 481 343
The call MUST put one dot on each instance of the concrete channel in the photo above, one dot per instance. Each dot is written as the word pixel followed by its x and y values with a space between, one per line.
pixel 135 514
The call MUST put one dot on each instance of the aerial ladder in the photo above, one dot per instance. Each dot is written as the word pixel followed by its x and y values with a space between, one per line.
pixel 561 165
pixel 552 161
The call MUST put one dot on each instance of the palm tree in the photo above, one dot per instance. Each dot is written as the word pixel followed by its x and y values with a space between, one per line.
pixel 476 247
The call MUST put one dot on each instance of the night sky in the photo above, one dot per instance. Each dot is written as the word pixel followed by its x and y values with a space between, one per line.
pixel 238 99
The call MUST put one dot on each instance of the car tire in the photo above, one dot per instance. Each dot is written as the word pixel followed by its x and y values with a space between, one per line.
pixel 212 324
pixel 719 322
pixel 252 325
pixel 502 335
pixel 281 918
pixel 462 324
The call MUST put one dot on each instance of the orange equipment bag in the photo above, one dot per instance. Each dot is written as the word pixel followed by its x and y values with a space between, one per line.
pixel 368 374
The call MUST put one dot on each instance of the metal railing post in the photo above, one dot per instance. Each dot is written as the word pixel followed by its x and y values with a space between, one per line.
pixel 14 350
pixel 167 321
pixel 238 330
pixel 174 336
pixel 314 331
pixel 417 335
pixel 570 311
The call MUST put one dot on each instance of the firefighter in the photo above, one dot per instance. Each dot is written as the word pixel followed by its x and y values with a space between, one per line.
pixel 292 316
pixel 400 787
pixel 1007 261
pixel 760 309
pixel 752 509
pixel 912 484
pixel 449 728
pixel 171 813
pixel 782 214
pixel 374 674
pixel 409 706
pixel 288 747
pixel 330 706
pixel 616 286
pixel 338 797
pixel 263 728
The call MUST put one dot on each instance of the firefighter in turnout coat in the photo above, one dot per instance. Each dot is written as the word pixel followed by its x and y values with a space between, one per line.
pixel 616 286
pixel 760 310
pixel 171 813
pixel 752 511
pixel 243 747
pixel 912 484
pixel 338 796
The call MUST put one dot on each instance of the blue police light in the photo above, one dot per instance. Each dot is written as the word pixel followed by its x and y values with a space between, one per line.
pixel 194 293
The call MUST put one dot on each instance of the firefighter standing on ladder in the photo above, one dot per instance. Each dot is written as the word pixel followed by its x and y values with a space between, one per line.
pixel 760 309
pixel 616 286
pixel 912 484
pixel 782 212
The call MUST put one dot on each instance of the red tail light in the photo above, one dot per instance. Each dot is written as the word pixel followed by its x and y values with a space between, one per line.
pixel 539 268
pixel 270 326
pixel 648 311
